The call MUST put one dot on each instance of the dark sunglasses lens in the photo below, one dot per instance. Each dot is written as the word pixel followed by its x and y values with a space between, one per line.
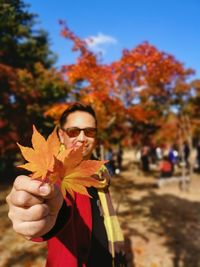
pixel 90 132
pixel 73 132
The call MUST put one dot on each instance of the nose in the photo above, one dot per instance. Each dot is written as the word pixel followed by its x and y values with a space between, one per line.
pixel 81 136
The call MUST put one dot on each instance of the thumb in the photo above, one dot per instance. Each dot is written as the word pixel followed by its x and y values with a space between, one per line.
pixel 46 190
pixel 53 197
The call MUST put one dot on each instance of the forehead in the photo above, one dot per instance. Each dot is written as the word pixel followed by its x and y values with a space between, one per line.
pixel 80 119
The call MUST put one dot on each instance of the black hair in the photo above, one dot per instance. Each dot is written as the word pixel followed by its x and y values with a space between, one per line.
pixel 76 106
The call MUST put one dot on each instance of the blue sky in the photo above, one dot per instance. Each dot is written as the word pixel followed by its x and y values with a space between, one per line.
pixel 173 26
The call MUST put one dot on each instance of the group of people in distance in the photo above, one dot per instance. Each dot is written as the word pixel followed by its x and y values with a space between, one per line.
pixel 166 158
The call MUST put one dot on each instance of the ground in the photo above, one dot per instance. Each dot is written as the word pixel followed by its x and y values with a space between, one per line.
pixel 161 225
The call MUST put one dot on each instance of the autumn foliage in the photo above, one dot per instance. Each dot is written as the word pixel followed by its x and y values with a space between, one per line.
pixel 141 88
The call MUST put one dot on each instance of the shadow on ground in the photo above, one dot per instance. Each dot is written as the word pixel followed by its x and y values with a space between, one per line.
pixel 166 215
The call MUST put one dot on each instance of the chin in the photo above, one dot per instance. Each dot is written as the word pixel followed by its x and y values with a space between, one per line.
pixel 86 156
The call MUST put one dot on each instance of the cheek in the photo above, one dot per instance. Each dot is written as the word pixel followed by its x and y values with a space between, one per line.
pixel 68 142
pixel 92 143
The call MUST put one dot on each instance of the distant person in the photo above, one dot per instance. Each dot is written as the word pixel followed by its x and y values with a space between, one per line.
pixel 109 155
pixel 119 158
pixel 166 167
pixel 172 157
pixel 153 154
pixel 159 153
pixel 186 153
pixel 145 158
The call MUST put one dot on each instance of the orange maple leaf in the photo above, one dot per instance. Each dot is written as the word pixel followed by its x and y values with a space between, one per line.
pixel 47 162
pixel 41 158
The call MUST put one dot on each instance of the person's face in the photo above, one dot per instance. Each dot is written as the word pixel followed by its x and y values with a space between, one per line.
pixel 82 120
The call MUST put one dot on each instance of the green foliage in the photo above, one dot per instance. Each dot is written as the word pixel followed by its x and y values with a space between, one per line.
pixel 21 44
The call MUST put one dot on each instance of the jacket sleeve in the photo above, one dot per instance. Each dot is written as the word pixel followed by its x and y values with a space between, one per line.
pixel 63 218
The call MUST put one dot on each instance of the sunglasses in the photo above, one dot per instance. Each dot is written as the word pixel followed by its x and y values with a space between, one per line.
pixel 75 131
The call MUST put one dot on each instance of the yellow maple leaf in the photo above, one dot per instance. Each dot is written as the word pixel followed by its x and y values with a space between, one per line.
pixel 81 177
pixel 41 158
pixel 77 174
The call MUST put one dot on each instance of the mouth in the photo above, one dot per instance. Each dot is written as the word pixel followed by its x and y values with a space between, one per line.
pixel 76 145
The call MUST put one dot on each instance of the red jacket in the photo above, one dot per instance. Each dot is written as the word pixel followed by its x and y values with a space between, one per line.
pixel 165 166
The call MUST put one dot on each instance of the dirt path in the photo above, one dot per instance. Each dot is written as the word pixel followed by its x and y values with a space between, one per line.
pixel 161 225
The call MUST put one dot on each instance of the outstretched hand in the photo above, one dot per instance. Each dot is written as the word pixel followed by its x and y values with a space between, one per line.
pixel 33 206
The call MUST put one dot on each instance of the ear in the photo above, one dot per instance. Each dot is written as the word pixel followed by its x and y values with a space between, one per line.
pixel 61 135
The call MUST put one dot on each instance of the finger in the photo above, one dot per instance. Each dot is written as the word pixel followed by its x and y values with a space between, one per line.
pixel 34 213
pixel 27 192
pixel 34 228
pixel 35 187
pixel 23 199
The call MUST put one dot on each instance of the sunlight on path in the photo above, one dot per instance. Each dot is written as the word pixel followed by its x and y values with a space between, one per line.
pixel 162 224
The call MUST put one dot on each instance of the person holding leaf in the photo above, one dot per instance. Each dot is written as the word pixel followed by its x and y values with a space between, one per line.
pixel 66 200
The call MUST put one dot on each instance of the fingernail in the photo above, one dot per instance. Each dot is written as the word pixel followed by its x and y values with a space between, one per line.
pixel 44 189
